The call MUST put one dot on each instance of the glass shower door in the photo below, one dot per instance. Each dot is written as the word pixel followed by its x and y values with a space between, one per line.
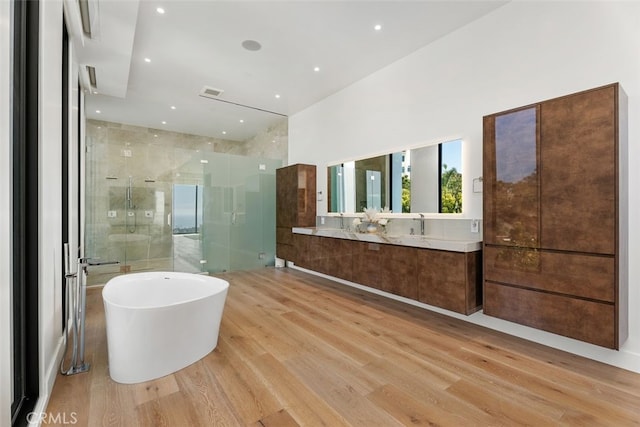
pixel 216 216
pixel 238 230
pixel 252 228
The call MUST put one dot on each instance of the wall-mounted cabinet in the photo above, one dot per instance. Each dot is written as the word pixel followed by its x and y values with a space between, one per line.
pixel 451 280
pixel 325 255
pixel 552 217
pixel 295 205
pixel 389 268
pixel 446 279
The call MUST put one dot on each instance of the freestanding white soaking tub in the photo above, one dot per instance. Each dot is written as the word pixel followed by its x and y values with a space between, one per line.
pixel 160 322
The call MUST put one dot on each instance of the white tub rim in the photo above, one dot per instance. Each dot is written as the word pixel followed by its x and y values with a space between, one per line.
pixel 115 281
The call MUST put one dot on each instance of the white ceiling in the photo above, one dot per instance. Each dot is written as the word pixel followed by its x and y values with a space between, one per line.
pixel 198 43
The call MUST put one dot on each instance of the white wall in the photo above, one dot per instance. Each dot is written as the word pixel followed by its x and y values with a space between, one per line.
pixel 6 162
pixel 49 196
pixel 519 54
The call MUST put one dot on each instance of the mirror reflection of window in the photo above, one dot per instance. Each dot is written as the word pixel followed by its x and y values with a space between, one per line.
pixel 451 177
pixel 425 180
pixel 374 191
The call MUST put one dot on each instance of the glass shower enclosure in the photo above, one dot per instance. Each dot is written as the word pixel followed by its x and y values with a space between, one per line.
pixel 210 212
pixel 239 212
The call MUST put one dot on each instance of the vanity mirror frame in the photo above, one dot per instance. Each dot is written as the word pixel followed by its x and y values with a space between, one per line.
pixel 440 179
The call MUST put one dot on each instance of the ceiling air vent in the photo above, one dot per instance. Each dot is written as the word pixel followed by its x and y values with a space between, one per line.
pixel 92 76
pixel 210 92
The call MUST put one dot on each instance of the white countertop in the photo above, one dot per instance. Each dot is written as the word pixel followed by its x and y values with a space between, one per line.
pixel 415 241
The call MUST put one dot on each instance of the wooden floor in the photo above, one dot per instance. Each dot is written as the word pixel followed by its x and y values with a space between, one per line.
pixel 298 350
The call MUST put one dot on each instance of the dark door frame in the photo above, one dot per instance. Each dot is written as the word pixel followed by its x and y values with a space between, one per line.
pixel 25 210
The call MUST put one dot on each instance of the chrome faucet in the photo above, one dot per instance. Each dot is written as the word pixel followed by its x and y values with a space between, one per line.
pixel 422 220
pixel 84 263
pixel 76 291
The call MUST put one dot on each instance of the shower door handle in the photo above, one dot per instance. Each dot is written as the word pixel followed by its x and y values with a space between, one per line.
pixel 233 218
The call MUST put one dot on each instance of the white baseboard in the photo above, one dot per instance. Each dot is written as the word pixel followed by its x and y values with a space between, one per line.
pixel 47 383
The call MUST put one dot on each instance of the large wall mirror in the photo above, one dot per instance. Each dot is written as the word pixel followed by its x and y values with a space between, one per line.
pixel 419 180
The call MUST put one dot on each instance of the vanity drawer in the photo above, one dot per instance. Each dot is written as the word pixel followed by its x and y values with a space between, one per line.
pixel 284 235
pixel 585 276
pixel 589 321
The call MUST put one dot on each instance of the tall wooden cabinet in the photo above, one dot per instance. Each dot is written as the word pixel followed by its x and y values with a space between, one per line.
pixel 295 205
pixel 553 250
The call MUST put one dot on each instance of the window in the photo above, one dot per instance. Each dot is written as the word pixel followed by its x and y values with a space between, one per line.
pixel 450 177
pixel 187 209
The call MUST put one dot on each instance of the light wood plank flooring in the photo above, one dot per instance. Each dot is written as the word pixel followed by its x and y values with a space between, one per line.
pixel 299 350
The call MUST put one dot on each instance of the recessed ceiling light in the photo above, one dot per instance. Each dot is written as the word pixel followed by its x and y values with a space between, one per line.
pixel 147 60
pixel 173 107
pixel 224 132
pixel 377 27
pixel 251 45
pixel 164 123
pixel 316 69
pixel 277 95
pixel 160 10
pixel 98 111
pixel 241 121
pixel 155 136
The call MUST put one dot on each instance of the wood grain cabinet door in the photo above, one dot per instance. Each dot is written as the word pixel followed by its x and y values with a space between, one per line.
pixel 450 280
pixel 578 173
pixel 511 202
pixel 386 267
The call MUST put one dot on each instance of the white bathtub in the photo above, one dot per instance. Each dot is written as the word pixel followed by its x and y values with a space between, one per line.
pixel 160 322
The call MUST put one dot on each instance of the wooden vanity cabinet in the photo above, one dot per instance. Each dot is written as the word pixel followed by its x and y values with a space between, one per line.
pixel 551 216
pixel 389 268
pixel 450 280
pixel 333 257
pixel 295 205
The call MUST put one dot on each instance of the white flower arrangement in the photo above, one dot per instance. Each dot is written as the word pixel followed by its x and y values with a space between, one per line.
pixel 372 215
pixel 372 218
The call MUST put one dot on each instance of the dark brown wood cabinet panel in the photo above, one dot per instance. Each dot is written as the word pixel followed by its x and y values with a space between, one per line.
pixel 296 196
pixel 305 256
pixel 450 280
pixel 581 275
pixel 325 255
pixel 337 260
pixel 578 173
pixel 386 267
pixel 295 206
pixel 589 321
pixel 286 252
pixel 511 193
pixel 552 218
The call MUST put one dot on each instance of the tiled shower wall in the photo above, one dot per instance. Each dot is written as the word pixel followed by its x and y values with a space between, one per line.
pixel 140 237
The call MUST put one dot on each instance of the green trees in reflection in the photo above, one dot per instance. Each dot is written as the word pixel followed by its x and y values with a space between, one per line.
pixel 451 190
